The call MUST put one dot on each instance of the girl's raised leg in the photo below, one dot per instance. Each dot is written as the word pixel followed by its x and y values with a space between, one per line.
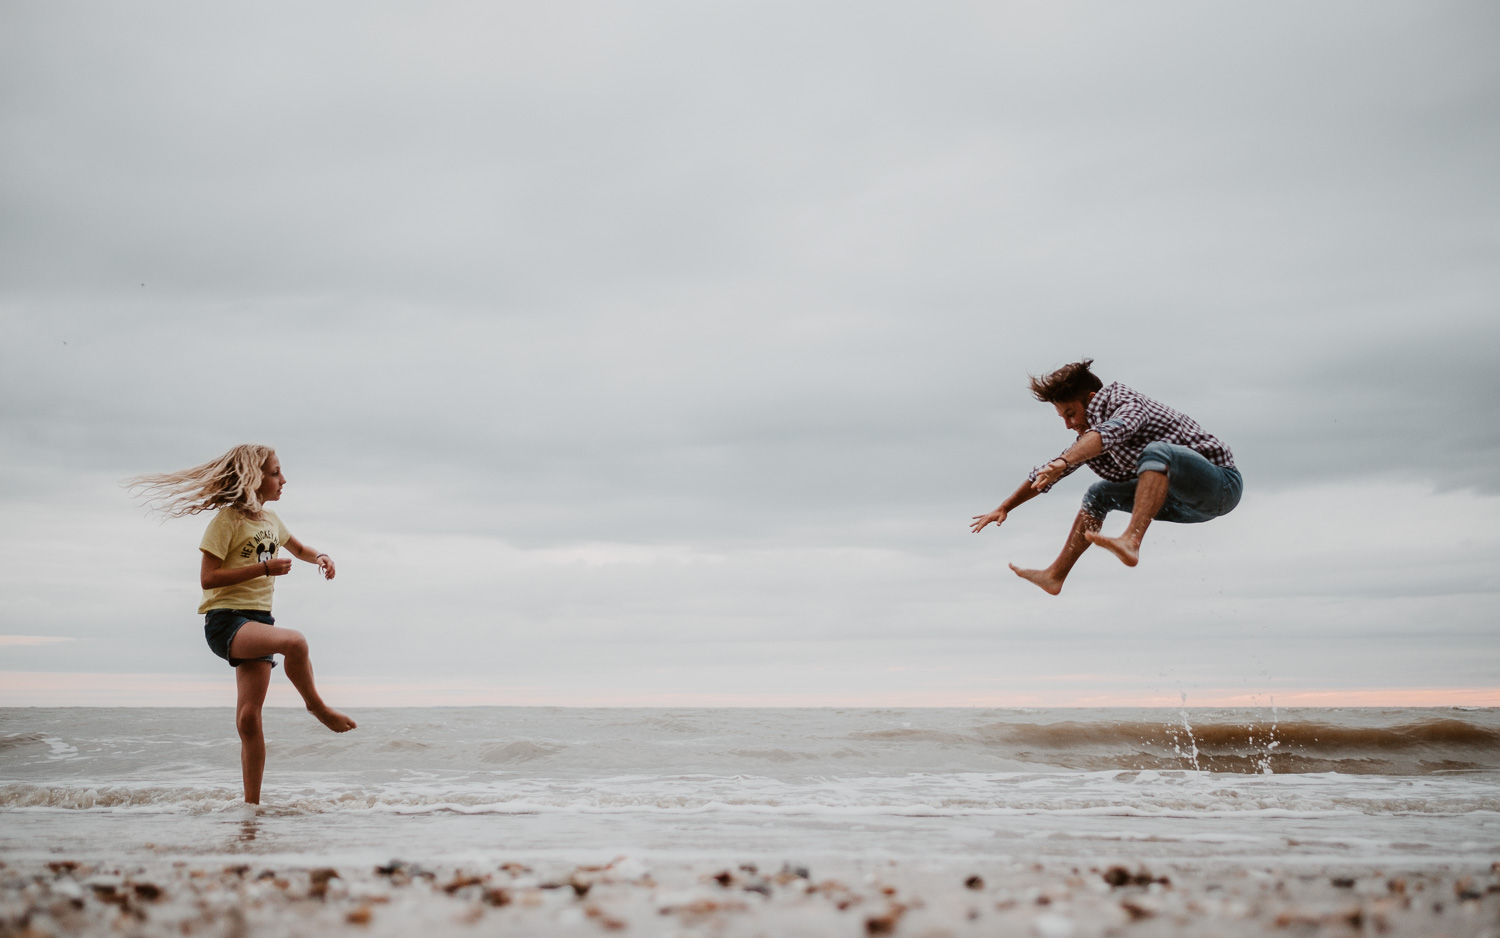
pixel 251 679
pixel 256 639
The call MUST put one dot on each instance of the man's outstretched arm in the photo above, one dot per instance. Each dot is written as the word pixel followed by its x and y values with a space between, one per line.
pixel 1086 447
pixel 997 517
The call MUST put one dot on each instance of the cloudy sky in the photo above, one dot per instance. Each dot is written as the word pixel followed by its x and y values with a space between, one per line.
pixel 659 353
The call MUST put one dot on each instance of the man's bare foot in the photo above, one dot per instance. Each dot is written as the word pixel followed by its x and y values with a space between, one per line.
pixel 1128 550
pixel 1041 578
pixel 332 719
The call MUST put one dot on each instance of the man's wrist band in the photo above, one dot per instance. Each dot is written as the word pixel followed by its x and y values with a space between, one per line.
pixel 267 565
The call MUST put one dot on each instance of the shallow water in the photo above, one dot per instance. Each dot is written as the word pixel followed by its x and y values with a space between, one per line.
pixel 1313 785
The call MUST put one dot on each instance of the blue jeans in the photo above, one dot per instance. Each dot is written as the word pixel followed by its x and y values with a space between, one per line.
pixel 1197 490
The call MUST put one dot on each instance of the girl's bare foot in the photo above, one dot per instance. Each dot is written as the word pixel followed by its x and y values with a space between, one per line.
pixel 332 719
pixel 1127 549
pixel 1041 578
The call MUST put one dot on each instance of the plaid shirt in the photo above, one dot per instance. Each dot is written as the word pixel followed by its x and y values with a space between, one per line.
pixel 1127 421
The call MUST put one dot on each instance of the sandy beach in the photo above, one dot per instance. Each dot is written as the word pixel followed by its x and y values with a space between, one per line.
pixel 628 896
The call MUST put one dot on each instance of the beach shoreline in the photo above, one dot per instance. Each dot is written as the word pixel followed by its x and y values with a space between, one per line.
pixel 930 824
pixel 731 896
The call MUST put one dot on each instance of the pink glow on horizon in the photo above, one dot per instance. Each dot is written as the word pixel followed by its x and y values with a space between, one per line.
pixel 64 689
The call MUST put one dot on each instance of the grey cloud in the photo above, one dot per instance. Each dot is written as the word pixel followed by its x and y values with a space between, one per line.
pixel 546 436
pixel 1395 406
pixel 415 157
pixel 749 277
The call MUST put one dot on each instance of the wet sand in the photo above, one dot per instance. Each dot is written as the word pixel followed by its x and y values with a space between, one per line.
pixel 916 898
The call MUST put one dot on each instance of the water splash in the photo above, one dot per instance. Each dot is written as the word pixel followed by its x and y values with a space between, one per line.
pixel 1262 748
pixel 1192 753
pixel 1263 765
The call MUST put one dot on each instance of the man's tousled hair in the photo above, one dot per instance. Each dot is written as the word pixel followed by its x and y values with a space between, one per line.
pixel 1069 383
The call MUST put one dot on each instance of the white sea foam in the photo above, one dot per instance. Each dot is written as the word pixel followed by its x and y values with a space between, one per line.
pixel 1167 794
pixel 59 749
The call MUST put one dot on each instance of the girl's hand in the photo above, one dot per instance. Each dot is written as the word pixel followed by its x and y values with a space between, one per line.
pixel 278 566
pixel 325 563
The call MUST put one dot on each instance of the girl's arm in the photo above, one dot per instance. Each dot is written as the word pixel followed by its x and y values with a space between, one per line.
pixel 302 552
pixel 214 575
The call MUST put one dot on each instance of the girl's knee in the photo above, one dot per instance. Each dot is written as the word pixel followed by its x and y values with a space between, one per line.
pixel 294 642
pixel 247 721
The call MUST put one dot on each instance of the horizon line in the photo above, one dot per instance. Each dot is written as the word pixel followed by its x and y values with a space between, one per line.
pixel 53 689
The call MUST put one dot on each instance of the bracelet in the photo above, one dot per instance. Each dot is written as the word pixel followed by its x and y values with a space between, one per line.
pixel 319 557
pixel 1064 460
pixel 267 565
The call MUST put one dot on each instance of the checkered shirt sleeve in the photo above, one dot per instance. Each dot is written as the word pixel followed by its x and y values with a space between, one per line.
pixel 1127 421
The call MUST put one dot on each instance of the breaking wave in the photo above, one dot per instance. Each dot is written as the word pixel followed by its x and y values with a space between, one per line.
pixel 1413 748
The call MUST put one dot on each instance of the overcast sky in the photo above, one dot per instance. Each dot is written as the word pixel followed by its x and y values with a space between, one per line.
pixel 660 352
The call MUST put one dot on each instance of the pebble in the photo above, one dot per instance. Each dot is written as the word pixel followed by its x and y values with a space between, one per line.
pixel 1053 925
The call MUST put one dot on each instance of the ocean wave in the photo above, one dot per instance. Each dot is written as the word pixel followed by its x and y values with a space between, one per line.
pixel 21 740
pixel 531 746
pixel 1413 748
pixel 776 755
pixel 1310 735
pixel 1147 793
pixel 523 750
pixel 911 735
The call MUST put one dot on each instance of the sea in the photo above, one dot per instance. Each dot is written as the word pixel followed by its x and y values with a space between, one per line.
pixel 1408 787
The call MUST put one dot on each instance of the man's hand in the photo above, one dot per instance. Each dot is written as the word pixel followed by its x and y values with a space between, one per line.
pixel 1050 473
pixel 278 566
pixel 325 563
pixel 996 517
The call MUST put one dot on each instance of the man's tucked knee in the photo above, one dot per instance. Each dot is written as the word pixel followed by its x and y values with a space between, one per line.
pixel 1104 497
pixel 1090 505
pixel 1156 457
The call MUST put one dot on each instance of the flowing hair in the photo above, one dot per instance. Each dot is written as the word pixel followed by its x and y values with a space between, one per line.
pixel 1069 383
pixel 230 481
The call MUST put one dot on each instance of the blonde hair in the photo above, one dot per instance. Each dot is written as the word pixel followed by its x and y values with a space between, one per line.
pixel 231 481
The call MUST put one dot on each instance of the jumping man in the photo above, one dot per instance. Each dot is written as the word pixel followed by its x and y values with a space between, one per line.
pixel 1156 464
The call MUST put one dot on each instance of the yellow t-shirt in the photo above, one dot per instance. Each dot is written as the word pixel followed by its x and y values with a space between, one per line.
pixel 241 542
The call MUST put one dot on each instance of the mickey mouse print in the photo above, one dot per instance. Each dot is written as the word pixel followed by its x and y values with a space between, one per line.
pixel 262 544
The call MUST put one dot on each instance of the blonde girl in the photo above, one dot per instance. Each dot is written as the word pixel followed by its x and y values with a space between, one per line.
pixel 240 561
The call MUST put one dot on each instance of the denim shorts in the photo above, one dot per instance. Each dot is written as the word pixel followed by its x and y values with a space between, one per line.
pixel 1197 490
pixel 221 625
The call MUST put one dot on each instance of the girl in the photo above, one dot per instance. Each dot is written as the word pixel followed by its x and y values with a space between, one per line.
pixel 240 559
